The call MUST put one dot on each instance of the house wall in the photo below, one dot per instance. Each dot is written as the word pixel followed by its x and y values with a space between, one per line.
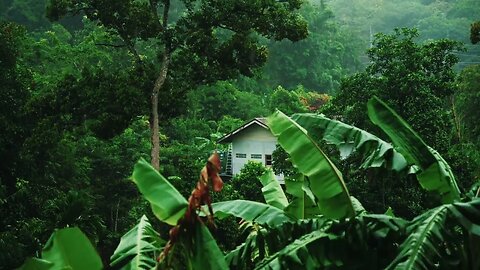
pixel 253 140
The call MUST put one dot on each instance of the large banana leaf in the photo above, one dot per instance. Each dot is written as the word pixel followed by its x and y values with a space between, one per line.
pixel 245 255
pixel 206 254
pixel 67 248
pixel 263 243
pixel 435 238
pixel 296 208
pixel 260 213
pixel 326 181
pixel 363 242
pixel 167 203
pixel 272 191
pixel 350 139
pixel 138 248
pixel 302 204
pixel 36 264
pixel 305 252
pixel 435 174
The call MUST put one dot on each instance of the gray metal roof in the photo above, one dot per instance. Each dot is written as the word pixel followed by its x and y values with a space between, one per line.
pixel 260 121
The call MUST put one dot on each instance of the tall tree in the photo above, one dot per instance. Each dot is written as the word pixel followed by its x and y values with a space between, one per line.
pixel 467 100
pixel 14 93
pixel 414 78
pixel 475 32
pixel 198 41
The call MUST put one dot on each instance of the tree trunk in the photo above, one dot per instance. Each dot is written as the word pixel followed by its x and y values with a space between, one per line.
pixel 154 127
pixel 456 120
pixel 154 123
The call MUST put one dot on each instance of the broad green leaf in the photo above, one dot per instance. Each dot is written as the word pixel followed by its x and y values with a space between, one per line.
pixel 36 264
pixel 350 139
pixel 207 255
pixel 263 243
pixel 272 191
pixel 468 215
pixel 167 203
pixel 326 181
pixel 243 255
pixel 310 205
pixel 260 213
pixel 307 252
pixel 434 236
pixel 296 208
pixel 69 248
pixel 138 248
pixel 302 205
pixel 435 174
pixel 357 205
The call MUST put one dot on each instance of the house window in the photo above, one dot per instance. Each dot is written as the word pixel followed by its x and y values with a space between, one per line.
pixel 268 160
pixel 238 155
pixel 256 156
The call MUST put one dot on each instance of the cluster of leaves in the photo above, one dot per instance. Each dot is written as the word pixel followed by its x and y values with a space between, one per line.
pixel 413 78
pixel 417 80
pixel 321 226
pixel 475 32
pixel 70 101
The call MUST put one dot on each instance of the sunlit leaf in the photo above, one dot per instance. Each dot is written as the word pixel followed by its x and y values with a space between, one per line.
pixel 260 213
pixel 326 181
pixel 67 248
pixel 167 203
pixel 272 191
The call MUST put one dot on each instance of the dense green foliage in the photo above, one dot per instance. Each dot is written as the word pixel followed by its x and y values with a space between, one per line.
pixel 277 240
pixel 75 117
pixel 415 79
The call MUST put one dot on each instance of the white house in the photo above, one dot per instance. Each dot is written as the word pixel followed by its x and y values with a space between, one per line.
pixel 252 141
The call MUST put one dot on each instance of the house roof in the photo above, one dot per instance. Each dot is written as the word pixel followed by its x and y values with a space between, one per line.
pixel 260 121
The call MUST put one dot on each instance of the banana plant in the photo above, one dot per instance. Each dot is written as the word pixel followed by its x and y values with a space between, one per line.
pixel 189 232
pixel 326 181
pixel 337 236
pixel 431 240
pixel 407 152
pixel 445 236
pixel 67 248
pixel 138 248
pixel 322 227
pixel 434 172
pixel 349 139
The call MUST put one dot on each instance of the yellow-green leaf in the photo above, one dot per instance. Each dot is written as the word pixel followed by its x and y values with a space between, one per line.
pixel 326 181
pixel 167 203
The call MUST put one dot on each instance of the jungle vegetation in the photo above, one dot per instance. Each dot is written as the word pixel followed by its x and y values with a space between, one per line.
pixel 381 96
